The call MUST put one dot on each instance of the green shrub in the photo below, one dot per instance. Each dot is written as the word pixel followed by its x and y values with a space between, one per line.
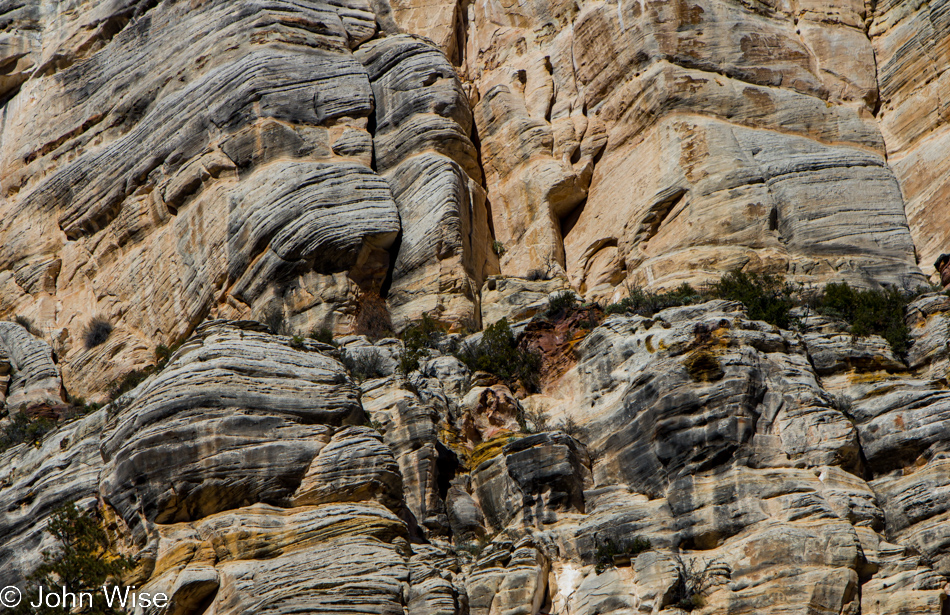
pixel 324 335
pixel 608 550
pixel 296 342
pixel 648 303
pixel 97 332
pixel 497 353
pixel 81 561
pixel 80 406
pixel 364 365
pixel 766 297
pixel 498 248
pixel 870 312
pixel 129 381
pixel 418 339
pixel 560 304
pixel 163 355
pixel 22 429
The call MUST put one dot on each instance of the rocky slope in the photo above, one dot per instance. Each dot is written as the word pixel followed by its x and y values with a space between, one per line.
pixel 189 170
pixel 804 471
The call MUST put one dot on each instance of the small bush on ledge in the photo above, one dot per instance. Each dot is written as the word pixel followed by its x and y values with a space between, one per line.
pixel 23 429
pixel 364 365
pixel 870 312
pixel 372 317
pixel 497 353
pixel 561 303
pixel 647 303
pixel 766 297
pixel 97 332
pixel 608 552
pixel 417 339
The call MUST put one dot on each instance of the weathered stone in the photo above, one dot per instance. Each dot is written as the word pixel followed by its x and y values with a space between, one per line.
pixel 532 480
pixel 354 466
pixel 36 481
pixel 232 397
pixel 422 148
pixel 34 379
pixel 910 44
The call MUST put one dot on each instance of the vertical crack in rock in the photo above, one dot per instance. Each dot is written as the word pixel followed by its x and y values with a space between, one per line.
pixel 422 148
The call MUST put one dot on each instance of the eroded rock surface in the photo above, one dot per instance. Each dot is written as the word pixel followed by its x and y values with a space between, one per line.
pixel 166 161
pixel 176 168
pixel 253 473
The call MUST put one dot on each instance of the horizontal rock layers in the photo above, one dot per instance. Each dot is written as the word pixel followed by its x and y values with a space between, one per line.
pixel 910 44
pixel 799 472
pixel 175 167
pixel 662 143
pixel 228 159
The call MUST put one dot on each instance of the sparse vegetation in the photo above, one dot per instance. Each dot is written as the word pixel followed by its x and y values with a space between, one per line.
pixel 24 430
pixel 570 427
pixel 372 317
pixel 417 340
pixel 365 364
pixel 81 561
pixel 870 312
pixel 323 335
pixel 766 297
pixel 296 342
pixel 693 581
pixel 647 303
pixel 163 355
pixel 561 303
pixel 537 274
pixel 128 382
pixel 608 551
pixel 498 353
pixel 80 406
pixel 498 248
pixel 97 332
pixel 533 420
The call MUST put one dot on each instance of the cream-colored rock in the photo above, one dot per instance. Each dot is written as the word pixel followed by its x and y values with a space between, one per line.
pixel 911 46
pixel 33 377
pixel 230 173
pixel 661 143
pixel 422 148
pixel 517 299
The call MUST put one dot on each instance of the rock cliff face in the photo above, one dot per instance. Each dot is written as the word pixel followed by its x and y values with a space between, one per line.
pixel 186 171
pixel 800 472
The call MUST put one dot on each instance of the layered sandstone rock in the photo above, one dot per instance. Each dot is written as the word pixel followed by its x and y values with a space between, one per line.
pixel 797 472
pixel 163 162
pixel 669 142
pixel 173 166
pixel 913 58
